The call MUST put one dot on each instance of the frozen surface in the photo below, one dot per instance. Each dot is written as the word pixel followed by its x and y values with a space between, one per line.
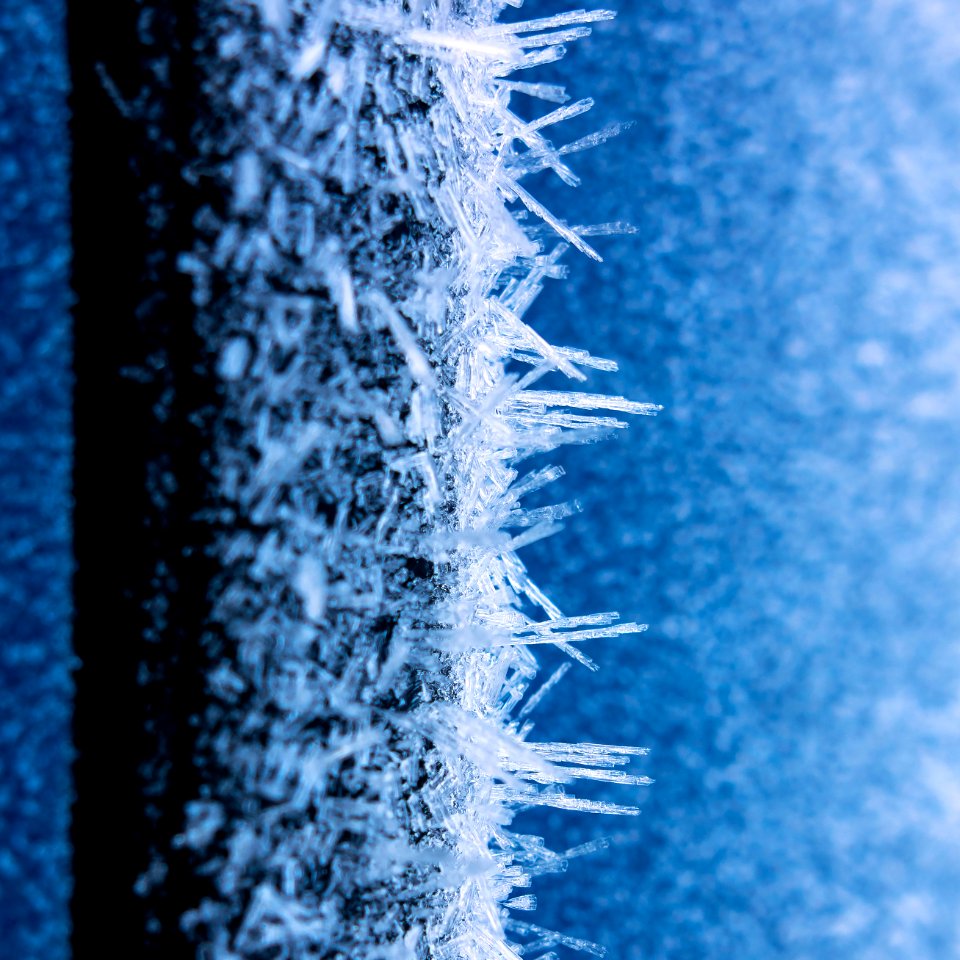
pixel 35 448
pixel 361 281
pixel 788 527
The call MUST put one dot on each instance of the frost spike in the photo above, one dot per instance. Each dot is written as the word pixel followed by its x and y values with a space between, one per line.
pixel 546 23
pixel 545 688
pixel 577 636
pixel 561 801
pixel 559 115
pixel 543 91
pixel 537 208
pixel 549 39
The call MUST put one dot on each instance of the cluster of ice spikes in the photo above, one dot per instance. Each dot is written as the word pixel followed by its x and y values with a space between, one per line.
pixel 362 284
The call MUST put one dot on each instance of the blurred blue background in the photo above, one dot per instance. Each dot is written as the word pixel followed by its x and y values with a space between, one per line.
pixel 35 460
pixel 789 524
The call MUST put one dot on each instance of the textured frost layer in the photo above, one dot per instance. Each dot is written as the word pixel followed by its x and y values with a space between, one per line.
pixel 362 285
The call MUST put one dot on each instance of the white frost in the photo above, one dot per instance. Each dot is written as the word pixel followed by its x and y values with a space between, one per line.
pixel 370 645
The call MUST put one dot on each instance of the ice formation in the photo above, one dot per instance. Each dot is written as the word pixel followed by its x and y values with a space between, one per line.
pixel 362 276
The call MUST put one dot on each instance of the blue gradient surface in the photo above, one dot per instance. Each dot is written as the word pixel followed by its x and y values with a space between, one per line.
pixel 789 525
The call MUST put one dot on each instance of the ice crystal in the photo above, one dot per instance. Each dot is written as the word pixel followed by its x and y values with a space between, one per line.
pixel 361 281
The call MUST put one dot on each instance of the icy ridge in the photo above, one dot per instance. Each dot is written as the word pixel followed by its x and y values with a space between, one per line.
pixel 501 420
pixel 362 286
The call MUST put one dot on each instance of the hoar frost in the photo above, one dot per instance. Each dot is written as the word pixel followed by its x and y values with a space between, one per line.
pixel 361 284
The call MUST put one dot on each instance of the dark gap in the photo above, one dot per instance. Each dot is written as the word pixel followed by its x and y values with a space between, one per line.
pixel 140 476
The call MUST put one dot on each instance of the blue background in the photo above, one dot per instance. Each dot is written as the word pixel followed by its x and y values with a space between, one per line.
pixel 35 451
pixel 789 524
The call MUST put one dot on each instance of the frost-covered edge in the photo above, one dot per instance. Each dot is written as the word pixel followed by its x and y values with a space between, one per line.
pixel 366 778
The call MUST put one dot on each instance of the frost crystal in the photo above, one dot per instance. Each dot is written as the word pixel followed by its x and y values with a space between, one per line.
pixel 362 284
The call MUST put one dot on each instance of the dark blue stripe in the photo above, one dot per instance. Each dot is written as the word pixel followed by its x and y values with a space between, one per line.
pixel 35 453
